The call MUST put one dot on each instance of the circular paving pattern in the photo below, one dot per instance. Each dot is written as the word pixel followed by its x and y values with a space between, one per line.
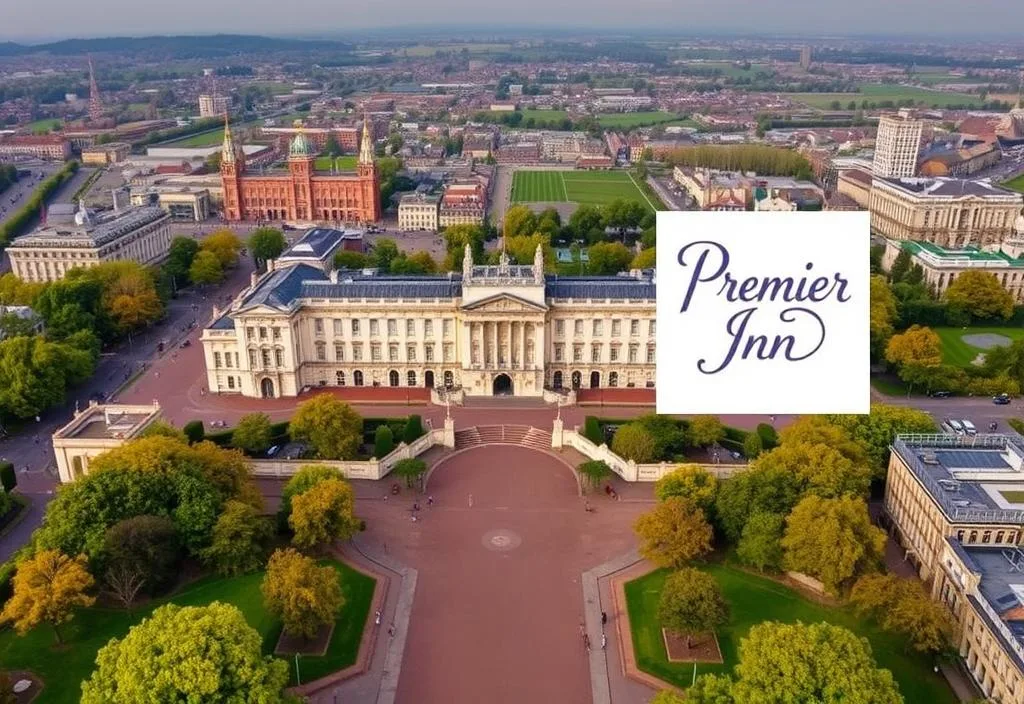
pixel 501 540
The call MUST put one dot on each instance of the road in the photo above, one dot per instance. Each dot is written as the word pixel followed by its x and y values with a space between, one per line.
pixel 31 450
pixel 667 197
pixel 12 200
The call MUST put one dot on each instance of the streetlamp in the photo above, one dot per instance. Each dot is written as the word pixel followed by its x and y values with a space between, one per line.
pixel 298 679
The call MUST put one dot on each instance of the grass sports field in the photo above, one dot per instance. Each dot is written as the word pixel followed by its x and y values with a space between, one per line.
pixel 583 187
pixel 956 351
pixel 875 92
pixel 341 163
pixel 1016 184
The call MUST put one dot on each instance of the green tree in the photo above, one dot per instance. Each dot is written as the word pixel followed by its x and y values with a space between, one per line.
pixel 753 446
pixel 331 426
pixel 820 469
pixel 413 429
pixel 307 477
pixel 760 545
pixel 182 252
pixel 253 433
pixel 239 541
pixel 35 374
pixel 8 479
pixel 794 662
pixel 147 545
pixel 903 606
pixel 130 299
pixel 766 488
pixel 519 221
pixel 200 654
pixel 689 481
pixel 206 269
pixel 323 513
pixel 585 223
pixel 592 473
pixel 304 596
pixel 634 442
pixel 877 430
pixel 384 252
pixel 691 603
pixel 48 587
pixel 706 430
pixel 819 430
pixel 608 258
pixel 646 259
pixel 673 533
pixel 163 429
pixel 348 259
pixel 883 315
pixel 832 540
pixel 383 442
pixel 194 431
pixel 411 469
pixel 980 294
pixel 266 243
pixel 225 245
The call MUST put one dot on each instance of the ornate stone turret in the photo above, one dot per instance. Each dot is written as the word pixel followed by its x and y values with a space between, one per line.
pixel 467 264
pixel 299 148
pixel 538 265
pixel 227 152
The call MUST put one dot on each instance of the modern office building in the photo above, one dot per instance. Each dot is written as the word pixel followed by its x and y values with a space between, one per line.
pixel 897 145
pixel 504 329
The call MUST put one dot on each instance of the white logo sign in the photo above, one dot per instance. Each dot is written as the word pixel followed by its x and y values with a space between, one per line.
pixel 763 312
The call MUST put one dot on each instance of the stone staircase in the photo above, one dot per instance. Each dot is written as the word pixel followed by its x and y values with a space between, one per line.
pixel 523 435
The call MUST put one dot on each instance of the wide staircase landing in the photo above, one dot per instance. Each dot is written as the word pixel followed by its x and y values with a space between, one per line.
pixel 523 435
pixel 503 402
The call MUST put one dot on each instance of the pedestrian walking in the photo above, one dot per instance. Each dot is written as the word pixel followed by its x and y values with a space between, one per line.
pixel 471 501
pixel 582 629
pixel 377 617
pixel 604 641
pixel 430 501
pixel 586 641
pixel 414 519
pixel 385 497
pixel 604 618
pixel 391 629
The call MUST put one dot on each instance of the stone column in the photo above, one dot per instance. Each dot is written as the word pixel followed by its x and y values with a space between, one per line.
pixel 523 327
pixel 494 343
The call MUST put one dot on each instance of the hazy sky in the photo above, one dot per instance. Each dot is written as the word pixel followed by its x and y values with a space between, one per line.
pixel 23 19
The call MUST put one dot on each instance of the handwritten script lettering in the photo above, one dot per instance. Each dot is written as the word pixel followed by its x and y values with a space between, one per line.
pixel 761 331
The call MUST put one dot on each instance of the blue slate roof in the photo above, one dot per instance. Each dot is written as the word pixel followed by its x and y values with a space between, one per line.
pixel 616 287
pixel 224 322
pixel 318 243
pixel 386 287
pixel 283 286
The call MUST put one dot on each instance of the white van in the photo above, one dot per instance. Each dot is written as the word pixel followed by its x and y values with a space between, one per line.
pixel 969 427
pixel 953 426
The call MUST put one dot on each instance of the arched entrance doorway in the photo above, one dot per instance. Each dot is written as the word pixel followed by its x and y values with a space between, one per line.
pixel 267 388
pixel 393 377
pixel 556 381
pixel 428 379
pixel 503 385
pixel 595 380
pixel 577 380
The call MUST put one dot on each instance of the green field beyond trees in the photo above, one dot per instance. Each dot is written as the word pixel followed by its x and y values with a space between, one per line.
pixel 876 93
pixel 583 187
pixel 959 352
pixel 753 600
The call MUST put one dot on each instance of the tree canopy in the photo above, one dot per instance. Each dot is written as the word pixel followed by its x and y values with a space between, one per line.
pixel 266 243
pixel 192 653
pixel 300 593
pixel 691 603
pixel 331 426
pixel 980 294
pixel 48 587
pixel 323 513
pixel 673 533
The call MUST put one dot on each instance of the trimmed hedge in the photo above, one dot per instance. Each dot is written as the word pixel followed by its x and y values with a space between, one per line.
pixel 383 441
pixel 194 431
pixel 8 479
pixel 20 221
pixel 413 429
pixel 733 440
pixel 592 430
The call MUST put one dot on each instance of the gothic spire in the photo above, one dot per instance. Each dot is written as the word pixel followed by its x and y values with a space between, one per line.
pixel 366 148
pixel 227 152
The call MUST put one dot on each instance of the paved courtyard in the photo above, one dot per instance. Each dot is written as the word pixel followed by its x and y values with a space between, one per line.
pixel 498 602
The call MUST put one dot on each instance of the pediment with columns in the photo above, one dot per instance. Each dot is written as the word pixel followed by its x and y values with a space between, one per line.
pixel 504 303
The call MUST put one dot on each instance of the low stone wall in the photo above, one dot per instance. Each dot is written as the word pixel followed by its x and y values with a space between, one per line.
pixel 628 469
pixel 361 469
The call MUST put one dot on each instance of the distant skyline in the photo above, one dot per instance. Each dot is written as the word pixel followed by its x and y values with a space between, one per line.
pixel 59 19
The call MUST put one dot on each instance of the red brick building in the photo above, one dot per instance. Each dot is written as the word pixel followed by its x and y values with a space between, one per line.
pixel 300 193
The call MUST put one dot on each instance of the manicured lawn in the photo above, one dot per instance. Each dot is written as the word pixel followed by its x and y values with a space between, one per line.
pixel 628 120
pixel 1016 184
pixel 1014 497
pixel 754 599
pixel 877 92
pixel 63 671
pixel 44 125
pixel 958 352
pixel 584 187
pixel 889 385
pixel 341 163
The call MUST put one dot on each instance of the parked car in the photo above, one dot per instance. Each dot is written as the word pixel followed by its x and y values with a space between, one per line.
pixel 273 451
pixel 968 427
pixel 952 426
pixel 941 394
pixel 1001 400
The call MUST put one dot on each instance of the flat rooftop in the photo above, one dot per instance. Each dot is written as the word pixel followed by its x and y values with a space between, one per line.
pixel 1001 592
pixel 968 255
pixel 972 479
pixel 111 422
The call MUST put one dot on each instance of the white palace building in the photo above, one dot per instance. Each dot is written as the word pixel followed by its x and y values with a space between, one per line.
pixel 505 329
